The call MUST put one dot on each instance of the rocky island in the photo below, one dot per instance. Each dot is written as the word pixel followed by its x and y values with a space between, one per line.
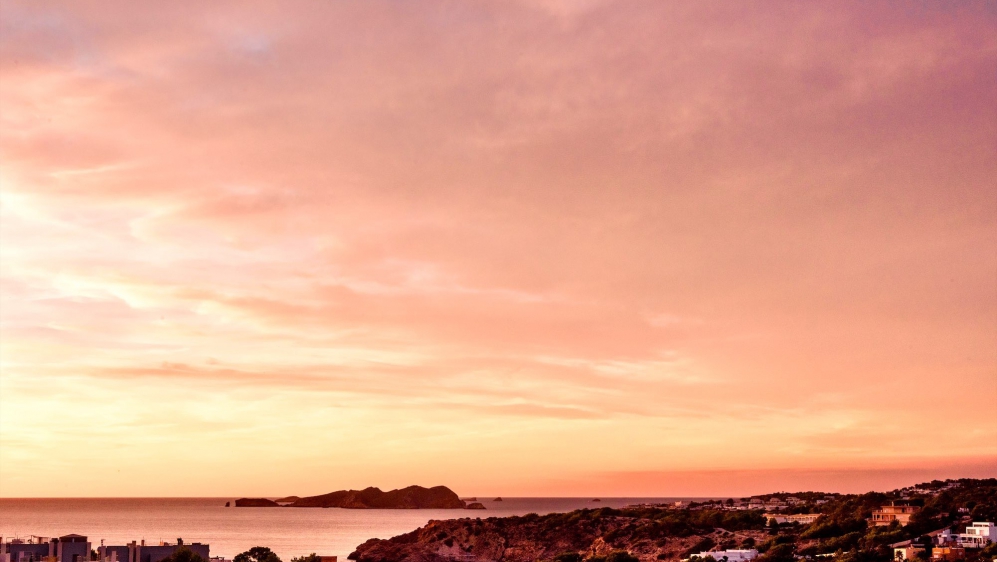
pixel 255 502
pixel 413 497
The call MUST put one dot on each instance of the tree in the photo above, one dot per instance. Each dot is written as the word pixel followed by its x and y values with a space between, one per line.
pixel 310 558
pixel 257 554
pixel 780 553
pixel 183 554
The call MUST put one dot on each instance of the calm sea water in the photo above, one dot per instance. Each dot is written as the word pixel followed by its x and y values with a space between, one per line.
pixel 288 531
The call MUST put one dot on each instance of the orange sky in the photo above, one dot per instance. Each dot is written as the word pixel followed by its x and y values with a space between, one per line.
pixel 521 248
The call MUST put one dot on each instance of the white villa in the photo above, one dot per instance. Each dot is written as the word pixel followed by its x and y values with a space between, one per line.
pixel 977 535
pixel 801 518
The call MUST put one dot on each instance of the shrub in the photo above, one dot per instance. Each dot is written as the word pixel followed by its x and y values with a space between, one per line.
pixel 183 554
pixel 257 554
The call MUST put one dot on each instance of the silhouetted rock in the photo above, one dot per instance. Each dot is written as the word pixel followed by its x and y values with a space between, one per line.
pixel 497 500
pixel 255 502
pixel 288 499
pixel 413 497
pixel 475 505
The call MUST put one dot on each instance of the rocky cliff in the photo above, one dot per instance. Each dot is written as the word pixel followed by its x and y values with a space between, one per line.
pixel 413 497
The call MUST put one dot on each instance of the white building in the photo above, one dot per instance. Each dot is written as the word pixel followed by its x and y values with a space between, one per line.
pixel 978 535
pixel 801 518
pixel 731 555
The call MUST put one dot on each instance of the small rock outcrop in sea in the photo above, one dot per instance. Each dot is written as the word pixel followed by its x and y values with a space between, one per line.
pixel 255 502
pixel 497 500
pixel 413 497
pixel 475 505
pixel 597 500
pixel 228 504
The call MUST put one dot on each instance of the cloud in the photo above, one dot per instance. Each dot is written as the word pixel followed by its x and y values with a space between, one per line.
pixel 512 224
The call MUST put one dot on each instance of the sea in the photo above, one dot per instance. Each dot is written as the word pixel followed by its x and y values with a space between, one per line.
pixel 289 532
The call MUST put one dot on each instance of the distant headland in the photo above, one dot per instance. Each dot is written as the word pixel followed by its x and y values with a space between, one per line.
pixel 412 497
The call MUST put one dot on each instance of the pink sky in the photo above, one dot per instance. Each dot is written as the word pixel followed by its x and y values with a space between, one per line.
pixel 536 248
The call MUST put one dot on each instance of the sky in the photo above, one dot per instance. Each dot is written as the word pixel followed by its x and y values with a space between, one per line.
pixel 517 248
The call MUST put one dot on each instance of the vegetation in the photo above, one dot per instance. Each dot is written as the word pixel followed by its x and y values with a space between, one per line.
pixel 184 554
pixel 843 530
pixel 844 533
pixel 257 554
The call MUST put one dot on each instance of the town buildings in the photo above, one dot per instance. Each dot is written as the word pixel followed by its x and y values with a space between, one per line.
pixel 141 552
pixel 67 548
pixel 76 548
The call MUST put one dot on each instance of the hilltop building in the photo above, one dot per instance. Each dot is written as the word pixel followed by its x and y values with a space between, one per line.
pixel 977 535
pixel 801 518
pixel 898 511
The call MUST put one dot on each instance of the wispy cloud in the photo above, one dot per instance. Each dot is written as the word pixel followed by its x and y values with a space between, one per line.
pixel 520 230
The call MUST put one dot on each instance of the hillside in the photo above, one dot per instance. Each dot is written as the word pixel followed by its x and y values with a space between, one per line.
pixel 842 533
